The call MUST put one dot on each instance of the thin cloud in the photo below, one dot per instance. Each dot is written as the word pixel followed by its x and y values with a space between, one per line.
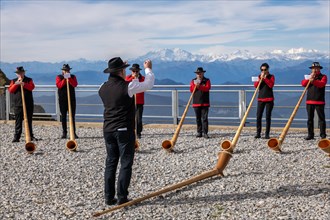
pixel 96 30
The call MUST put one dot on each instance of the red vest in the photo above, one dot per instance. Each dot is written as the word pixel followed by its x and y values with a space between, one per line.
pixel 139 96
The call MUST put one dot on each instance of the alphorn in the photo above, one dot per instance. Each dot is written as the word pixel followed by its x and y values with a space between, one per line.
pixel 226 144
pixel 274 143
pixel 30 147
pixel 71 144
pixel 223 159
pixel 136 144
pixel 169 144
pixel 324 144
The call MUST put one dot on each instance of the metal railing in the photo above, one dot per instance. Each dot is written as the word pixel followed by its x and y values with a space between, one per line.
pixel 165 104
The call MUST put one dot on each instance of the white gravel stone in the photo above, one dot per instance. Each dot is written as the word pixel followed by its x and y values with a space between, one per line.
pixel 54 183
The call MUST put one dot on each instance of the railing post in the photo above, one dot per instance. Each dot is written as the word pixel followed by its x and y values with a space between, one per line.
pixel 175 104
pixel 57 107
pixel 241 104
pixel 7 103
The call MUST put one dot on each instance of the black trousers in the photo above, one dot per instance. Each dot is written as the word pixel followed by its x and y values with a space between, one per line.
pixel 119 147
pixel 19 117
pixel 260 110
pixel 202 119
pixel 64 108
pixel 138 115
pixel 310 121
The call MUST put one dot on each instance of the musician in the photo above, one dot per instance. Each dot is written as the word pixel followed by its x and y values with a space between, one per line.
pixel 201 101
pixel 63 97
pixel 315 99
pixel 265 99
pixel 15 89
pixel 135 74
pixel 118 127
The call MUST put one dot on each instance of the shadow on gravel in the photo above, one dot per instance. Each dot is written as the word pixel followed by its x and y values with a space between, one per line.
pixel 84 137
pixel 296 151
pixel 281 192
pixel 142 151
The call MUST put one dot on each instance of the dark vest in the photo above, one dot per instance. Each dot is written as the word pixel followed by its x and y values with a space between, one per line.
pixel 119 109
pixel 264 90
pixel 315 93
pixel 17 96
pixel 201 97
pixel 63 92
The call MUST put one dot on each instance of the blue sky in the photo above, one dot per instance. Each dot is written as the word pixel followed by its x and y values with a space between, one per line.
pixel 98 30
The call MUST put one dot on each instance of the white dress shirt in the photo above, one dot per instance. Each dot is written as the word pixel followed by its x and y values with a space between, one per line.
pixel 137 87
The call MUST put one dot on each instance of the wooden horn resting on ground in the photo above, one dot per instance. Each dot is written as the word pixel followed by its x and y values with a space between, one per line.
pixel 274 143
pixel 226 144
pixel 137 144
pixel 169 144
pixel 71 144
pixel 221 164
pixel 324 144
pixel 30 147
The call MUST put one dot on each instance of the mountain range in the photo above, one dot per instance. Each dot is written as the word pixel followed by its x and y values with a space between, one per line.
pixel 177 66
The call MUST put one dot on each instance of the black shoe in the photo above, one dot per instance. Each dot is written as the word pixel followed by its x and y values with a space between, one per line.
pixel 323 136
pixel 15 140
pixel 309 138
pixel 111 201
pixel 267 136
pixel 206 136
pixel 122 201
pixel 64 136
pixel 76 136
pixel 257 136
pixel 199 135
pixel 138 136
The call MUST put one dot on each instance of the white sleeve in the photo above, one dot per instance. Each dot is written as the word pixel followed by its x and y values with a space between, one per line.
pixel 137 87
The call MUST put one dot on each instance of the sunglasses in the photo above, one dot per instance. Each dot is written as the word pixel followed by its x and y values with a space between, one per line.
pixel 135 71
pixel 264 69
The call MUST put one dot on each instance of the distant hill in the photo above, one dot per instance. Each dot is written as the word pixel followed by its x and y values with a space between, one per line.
pixel 176 66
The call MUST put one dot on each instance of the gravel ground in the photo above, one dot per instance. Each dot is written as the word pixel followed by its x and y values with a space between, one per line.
pixel 54 183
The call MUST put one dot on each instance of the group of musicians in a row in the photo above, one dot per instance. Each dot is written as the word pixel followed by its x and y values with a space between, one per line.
pixel 122 110
pixel 201 101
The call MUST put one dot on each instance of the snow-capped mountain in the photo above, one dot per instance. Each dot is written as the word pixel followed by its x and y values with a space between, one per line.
pixel 177 54
pixel 179 65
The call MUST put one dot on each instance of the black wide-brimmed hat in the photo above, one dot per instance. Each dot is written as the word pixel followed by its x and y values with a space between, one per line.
pixel 316 65
pixel 200 70
pixel 115 64
pixel 135 66
pixel 66 67
pixel 19 69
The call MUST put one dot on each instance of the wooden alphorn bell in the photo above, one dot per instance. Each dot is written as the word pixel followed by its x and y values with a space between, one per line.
pixel 324 144
pixel 217 170
pixel 71 144
pixel 30 147
pixel 136 144
pixel 169 144
pixel 274 143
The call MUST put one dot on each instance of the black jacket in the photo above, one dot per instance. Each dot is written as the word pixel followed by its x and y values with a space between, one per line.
pixel 17 96
pixel 119 109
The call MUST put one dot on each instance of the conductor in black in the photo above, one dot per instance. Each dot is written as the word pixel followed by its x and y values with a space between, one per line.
pixel 118 128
